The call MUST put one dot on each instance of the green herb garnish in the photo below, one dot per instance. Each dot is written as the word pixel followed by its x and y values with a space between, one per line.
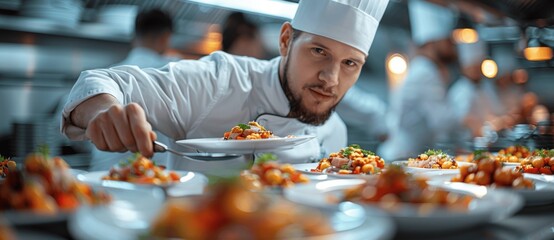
pixel 348 150
pixel 344 167
pixel 243 126
pixel 434 152
pixel 43 150
pixel 266 157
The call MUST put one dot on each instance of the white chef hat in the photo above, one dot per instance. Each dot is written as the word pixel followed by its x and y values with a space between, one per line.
pixel 430 21
pixel 352 22
pixel 471 53
pixel 505 57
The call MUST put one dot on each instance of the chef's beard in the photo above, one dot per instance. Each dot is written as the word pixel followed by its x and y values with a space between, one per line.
pixel 297 109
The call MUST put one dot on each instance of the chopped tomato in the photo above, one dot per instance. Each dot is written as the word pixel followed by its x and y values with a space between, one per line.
pixel 545 170
pixel 531 170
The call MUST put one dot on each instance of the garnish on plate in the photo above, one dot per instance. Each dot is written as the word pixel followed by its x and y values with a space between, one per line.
pixel 351 160
pixel 249 131
pixel 489 172
pixel 141 170
pixel 46 186
pixel 267 172
pixel 433 159
pixel 230 211
pixel 6 166
pixel 540 162
pixel 394 186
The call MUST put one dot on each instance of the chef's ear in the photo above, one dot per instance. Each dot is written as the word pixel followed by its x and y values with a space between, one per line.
pixel 285 38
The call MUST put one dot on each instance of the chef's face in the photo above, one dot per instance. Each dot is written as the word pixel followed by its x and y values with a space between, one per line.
pixel 315 73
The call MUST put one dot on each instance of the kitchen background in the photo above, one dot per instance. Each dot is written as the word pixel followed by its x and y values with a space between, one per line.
pixel 45 44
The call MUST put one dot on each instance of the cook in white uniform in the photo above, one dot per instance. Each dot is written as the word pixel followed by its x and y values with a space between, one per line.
pixel 418 109
pixel 505 94
pixel 153 30
pixel 117 108
pixel 469 102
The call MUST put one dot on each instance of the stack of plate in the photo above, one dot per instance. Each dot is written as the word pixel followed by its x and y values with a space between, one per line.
pixel 63 12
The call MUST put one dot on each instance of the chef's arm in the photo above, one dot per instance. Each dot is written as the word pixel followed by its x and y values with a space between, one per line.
pixel 90 108
pixel 113 127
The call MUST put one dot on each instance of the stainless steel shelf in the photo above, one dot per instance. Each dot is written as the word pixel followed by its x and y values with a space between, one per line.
pixel 95 31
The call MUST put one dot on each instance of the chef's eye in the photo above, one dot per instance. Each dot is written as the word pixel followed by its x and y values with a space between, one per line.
pixel 318 51
pixel 350 63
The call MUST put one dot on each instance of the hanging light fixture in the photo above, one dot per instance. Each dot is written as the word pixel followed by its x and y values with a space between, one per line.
pixel 465 31
pixel 536 49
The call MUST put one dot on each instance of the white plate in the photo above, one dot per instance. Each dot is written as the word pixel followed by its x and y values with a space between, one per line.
pixel 489 205
pixel 244 146
pixel 126 217
pixel 304 168
pixel 75 172
pixel 349 220
pixel 190 183
pixel 418 169
pixel 542 194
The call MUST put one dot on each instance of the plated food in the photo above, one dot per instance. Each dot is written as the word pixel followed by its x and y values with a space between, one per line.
pixel 433 159
pixel 415 206
pixel 351 160
pixel 141 170
pixel 6 166
pixel 395 186
pixel 540 162
pixel 251 130
pixel 489 172
pixel 266 172
pixel 46 186
pixel 230 211
pixel 513 154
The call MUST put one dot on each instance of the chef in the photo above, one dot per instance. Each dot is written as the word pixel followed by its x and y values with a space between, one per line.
pixel 418 109
pixel 322 53
pixel 470 104
pixel 504 93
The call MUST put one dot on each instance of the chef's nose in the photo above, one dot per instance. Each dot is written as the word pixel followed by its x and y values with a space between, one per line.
pixel 330 74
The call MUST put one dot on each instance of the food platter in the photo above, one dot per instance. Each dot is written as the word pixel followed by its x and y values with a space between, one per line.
pixel 219 145
pixel 404 164
pixel 305 169
pixel 348 220
pixel 488 205
pixel 542 194
pixel 190 183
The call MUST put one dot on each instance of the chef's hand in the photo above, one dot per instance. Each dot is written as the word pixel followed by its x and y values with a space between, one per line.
pixel 114 127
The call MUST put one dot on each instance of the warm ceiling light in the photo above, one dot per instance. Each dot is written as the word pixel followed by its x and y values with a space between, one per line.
pixel 489 68
pixel 535 51
pixel 396 63
pixel 465 35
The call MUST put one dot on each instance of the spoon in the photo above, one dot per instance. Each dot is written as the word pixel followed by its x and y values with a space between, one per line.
pixel 161 148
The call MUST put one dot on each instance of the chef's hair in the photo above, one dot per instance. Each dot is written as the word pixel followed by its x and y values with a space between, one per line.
pixel 153 22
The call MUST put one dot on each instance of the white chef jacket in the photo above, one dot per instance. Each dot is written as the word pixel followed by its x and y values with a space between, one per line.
pixel 199 99
pixel 418 112
pixel 363 110
pixel 140 57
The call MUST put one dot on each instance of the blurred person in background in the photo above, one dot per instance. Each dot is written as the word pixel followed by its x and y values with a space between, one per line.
pixel 419 111
pixel 470 104
pixel 241 37
pixel 508 93
pixel 153 31
pixel 321 58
